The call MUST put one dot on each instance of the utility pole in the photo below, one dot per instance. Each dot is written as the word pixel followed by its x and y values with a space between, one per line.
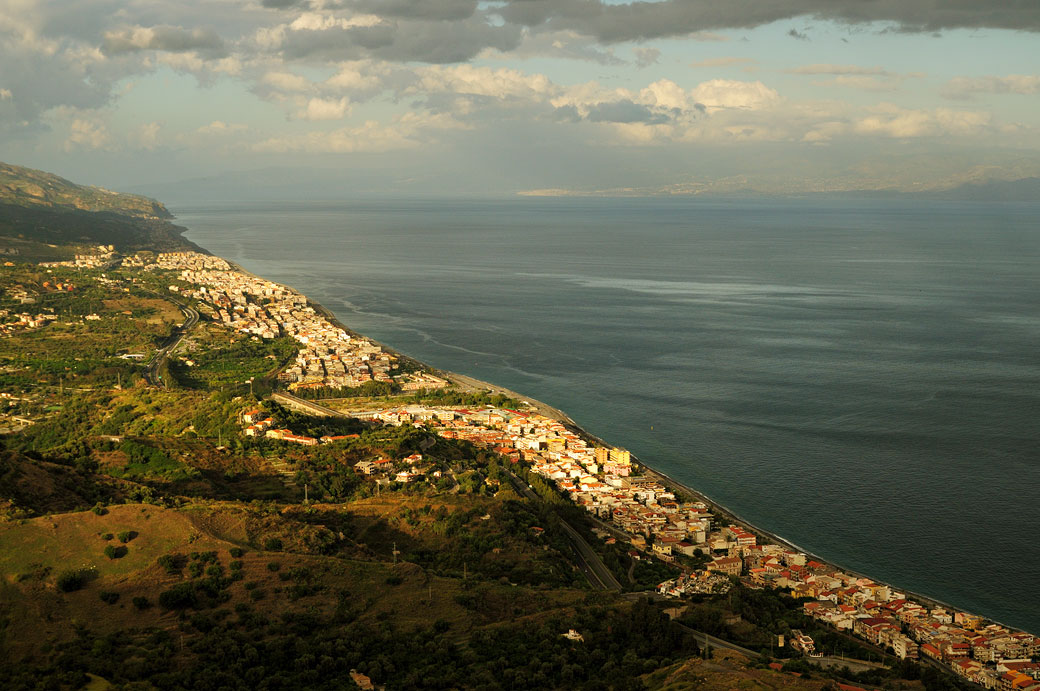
pixel 395 553
pixel 306 500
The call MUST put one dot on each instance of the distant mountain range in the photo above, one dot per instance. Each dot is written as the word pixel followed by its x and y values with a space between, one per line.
pixel 1024 190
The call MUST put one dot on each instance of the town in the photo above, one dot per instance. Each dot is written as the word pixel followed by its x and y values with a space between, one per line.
pixel 621 496
pixel 328 356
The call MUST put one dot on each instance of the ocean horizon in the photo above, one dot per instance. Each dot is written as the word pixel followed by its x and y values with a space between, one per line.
pixel 859 377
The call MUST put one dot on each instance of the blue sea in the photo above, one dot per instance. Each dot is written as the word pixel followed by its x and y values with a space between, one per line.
pixel 860 377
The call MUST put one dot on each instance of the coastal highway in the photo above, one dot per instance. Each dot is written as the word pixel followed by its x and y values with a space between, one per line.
pixel 708 642
pixel 312 408
pixel 588 561
pixel 152 368
pixel 309 407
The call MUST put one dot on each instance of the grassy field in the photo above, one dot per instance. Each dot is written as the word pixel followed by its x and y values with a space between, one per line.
pixel 212 358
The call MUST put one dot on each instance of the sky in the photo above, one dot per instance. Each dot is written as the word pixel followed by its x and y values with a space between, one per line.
pixel 545 97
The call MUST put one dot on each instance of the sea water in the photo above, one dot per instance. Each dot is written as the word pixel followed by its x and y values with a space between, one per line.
pixel 860 377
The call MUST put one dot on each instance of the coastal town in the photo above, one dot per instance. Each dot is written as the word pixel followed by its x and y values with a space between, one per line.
pixel 625 500
pixel 328 355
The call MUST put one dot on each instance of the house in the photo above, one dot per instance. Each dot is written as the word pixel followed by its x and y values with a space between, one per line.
pixel 727 565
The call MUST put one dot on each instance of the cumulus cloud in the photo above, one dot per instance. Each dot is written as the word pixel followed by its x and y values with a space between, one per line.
pixel 890 120
pixel 87 134
pixel 172 39
pixel 625 111
pixel 219 127
pixel 968 87
pixel 324 109
pixel 286 81
pixel 719 94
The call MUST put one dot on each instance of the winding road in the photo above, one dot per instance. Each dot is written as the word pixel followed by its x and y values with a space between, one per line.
pixel 152 368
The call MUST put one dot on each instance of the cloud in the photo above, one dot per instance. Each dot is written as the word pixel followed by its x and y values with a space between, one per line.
pixel 87 134
pixel 5 95
pixel 968 87
pixel 624 111
pixel 286 81
pixel 146 136
pixel 890 120
pixel 327 37
pixel 837 69
pixel 173 39
pixel 500 84
pixel 220 127
pixel 633 21
pixel 721 94
pixel 856 76
pixel 409 131
pixel 645 57
pixel 723 62
pixel 324 109
pixel 440 10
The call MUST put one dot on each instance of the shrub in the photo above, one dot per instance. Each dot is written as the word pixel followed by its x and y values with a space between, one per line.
pixel 173 563
pixel 195 569
pixel 113 552
pixel 180 596
pixel 106 536
pixel 108 597
pixel 141 603
pixel 394 580
pixel 99 509
pixel 126 536
pixel 273 544
pixel 236 552
pixel 235 565
pixel 273 566
pixel 73 579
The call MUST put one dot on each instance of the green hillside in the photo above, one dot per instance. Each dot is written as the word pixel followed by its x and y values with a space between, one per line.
pixel 46 217
pixel 34 188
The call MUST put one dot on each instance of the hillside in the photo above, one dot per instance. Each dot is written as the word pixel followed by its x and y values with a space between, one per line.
pixel 34 188
pixel 45 217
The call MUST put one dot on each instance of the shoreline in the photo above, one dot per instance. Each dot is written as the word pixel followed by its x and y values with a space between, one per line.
pixel 547 410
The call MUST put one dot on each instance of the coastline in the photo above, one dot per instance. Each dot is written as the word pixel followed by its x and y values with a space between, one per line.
pixel 471 383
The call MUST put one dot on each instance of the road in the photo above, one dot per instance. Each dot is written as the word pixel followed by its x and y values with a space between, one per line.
pixel 709 642
pixel 309 407
pixel 152 368
pixel 588 561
